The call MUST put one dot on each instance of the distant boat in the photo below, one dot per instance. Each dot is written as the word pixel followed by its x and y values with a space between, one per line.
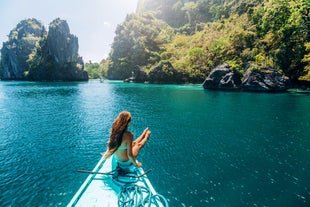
pixel 306 91
pixel 108 185
pixel 129 80
pixel 302 91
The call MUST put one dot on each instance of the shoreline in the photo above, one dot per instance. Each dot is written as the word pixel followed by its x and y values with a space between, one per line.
pixel 294 88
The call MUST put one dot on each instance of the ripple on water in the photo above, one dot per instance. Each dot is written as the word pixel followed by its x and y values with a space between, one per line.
pixel 207 148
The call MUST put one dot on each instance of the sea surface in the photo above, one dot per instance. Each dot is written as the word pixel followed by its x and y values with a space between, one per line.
pixel 207 148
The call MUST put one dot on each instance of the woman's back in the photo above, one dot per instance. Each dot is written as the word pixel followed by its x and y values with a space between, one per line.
pixel 121 152
pixel 121 142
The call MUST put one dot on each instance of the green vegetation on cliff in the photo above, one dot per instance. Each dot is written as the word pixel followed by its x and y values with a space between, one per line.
pixel 195 36
pixel 31 53
pixel 306 73
pixel 56 57
pixel 22 41
pixel 138 42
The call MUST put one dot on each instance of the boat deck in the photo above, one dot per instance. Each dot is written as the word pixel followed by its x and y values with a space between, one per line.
pixel 103 190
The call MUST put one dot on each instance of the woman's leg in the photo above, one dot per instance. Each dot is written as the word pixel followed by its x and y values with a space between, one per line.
pixel 136 146
pixel 141 137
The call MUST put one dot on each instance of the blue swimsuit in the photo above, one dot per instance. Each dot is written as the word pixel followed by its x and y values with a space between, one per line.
pixel 123 164
pixel 122 148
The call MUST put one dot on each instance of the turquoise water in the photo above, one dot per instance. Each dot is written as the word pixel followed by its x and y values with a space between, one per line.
pixel 208 148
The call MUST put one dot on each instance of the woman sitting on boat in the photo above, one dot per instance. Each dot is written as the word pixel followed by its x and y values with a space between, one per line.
pixel 121 142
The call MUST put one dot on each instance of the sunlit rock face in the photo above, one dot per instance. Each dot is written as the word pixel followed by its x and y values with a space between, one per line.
pixel 61 44
pixel 33 54
pixel 63 47
pixel 15 52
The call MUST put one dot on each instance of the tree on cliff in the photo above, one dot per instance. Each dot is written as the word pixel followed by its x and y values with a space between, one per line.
pixel 282 31
pixel 306 60
pixel 266 32
pixel 137 42
pixel 186 14
pixel 23 40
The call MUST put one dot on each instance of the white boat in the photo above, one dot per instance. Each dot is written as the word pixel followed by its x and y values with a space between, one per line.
pixel 108 186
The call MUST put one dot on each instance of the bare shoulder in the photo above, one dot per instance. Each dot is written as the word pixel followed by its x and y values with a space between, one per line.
pixel 128 136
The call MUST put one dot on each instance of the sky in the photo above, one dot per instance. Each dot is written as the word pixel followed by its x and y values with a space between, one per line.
pixel 92 21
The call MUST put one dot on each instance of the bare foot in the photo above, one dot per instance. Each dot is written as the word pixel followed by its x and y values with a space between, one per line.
pixel 145 131
pixel 148 134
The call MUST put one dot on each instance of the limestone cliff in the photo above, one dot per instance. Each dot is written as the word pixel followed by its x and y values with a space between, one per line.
pixel 60 52
pixel 62 45
pixel 15 52
pixel 33 54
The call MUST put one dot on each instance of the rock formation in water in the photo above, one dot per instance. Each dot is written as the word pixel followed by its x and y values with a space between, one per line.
pixel 264 80
pixel 62 45
pixel 23 41
pixel 59 52
pixel 260 80
pixel 223 78
pixel 51 56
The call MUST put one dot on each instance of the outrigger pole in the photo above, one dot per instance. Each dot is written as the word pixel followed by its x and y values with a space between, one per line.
pixel 111 173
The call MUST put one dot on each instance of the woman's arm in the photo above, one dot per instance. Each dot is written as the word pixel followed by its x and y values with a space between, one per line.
pixel 129 150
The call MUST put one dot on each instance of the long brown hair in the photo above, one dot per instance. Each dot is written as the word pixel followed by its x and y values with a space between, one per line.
pixel 119 126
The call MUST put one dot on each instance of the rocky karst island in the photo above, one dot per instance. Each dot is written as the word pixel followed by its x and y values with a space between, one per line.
pixel 32 53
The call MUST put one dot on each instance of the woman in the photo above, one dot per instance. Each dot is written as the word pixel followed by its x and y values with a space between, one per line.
pixel 121 142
